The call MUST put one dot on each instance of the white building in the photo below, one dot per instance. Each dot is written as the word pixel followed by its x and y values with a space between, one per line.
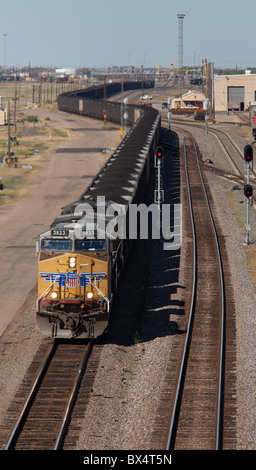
pixel 234 92
pixel 192 98
pixel 63 72
pixel 3 116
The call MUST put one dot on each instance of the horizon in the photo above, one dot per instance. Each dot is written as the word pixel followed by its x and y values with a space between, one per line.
pixel 121 33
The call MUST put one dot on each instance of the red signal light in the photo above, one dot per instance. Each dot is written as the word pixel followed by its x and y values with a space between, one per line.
pixel 159 152
pixel 248 190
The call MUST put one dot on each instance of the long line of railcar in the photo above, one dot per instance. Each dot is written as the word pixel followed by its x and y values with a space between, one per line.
pixel 80 262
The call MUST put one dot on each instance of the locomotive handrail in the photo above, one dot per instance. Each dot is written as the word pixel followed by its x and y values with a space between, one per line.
pixel 48 288
pixel 101 293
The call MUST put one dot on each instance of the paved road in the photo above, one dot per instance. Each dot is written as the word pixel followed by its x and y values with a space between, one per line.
pixel 65 175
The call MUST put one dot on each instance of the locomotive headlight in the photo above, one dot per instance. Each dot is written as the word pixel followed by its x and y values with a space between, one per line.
pixel 72 262
pixel 54 295
pixel 89 295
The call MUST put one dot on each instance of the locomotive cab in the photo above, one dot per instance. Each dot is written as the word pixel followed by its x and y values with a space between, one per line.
pixel 74 282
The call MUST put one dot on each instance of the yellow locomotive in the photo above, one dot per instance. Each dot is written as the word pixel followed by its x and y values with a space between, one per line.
pixel 78 272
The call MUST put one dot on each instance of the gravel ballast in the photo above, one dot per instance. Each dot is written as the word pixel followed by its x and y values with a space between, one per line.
pixel 127 389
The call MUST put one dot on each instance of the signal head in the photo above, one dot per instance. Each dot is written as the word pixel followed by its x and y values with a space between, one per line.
pixel 248 190
pixel 248 153
pixel 159 152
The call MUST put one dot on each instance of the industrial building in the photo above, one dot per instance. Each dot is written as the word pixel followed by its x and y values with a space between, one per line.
pixel 234 92
pixel 190 99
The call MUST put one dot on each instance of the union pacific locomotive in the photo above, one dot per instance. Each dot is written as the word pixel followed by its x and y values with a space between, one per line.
pixel 77 278
pixel 80 260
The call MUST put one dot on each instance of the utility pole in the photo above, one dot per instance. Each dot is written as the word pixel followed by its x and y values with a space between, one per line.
pixel 105 102
pixel 4 35
pixel 9 130
pixel 206 78
pixel 15 106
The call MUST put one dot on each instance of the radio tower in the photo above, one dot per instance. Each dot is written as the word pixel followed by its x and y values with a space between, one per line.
pixel 180 18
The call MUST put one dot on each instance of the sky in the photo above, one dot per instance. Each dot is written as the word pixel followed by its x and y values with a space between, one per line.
pixel 105 33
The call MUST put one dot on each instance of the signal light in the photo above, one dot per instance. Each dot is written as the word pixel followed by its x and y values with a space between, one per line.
pixel 159 152
pixel 248 153
pixel 89 295
pixel 248 190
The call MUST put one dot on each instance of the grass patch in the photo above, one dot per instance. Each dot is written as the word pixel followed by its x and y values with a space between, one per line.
pixel 32 118
pixel 59 133
pixel 249 250
pixel 233 206
pixel 137 338
pixel 18 179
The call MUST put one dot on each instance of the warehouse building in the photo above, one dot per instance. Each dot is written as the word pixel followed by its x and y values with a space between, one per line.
pixel 234 92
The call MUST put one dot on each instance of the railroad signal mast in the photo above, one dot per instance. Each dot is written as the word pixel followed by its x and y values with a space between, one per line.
pixel 248 154
pixel 248 190
pixel 159 192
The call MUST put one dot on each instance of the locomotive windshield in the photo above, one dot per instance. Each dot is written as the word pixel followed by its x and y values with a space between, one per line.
pixel 49 244
pixel 90 245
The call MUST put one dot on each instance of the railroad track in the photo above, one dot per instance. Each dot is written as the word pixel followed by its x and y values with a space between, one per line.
pixel 233 153
pixel 196 421
pixel 235 157
pixel 206 415
pixel 44 417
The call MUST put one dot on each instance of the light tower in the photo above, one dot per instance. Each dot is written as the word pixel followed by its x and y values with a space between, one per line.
pixel 180 17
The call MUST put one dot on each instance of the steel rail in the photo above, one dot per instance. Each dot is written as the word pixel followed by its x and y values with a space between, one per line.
pixel 70 403
pixel 222 328
pixel 216 133
pixel 30 396
pixel 73 395
pixel 219 417
pixel 192 304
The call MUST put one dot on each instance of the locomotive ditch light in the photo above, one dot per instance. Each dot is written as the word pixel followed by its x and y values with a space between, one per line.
pixel 89 295
pixel 248 190
pixel 54 295
pixel 248 153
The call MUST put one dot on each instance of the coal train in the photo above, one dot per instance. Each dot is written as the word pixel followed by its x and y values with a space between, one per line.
pixel 82 254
